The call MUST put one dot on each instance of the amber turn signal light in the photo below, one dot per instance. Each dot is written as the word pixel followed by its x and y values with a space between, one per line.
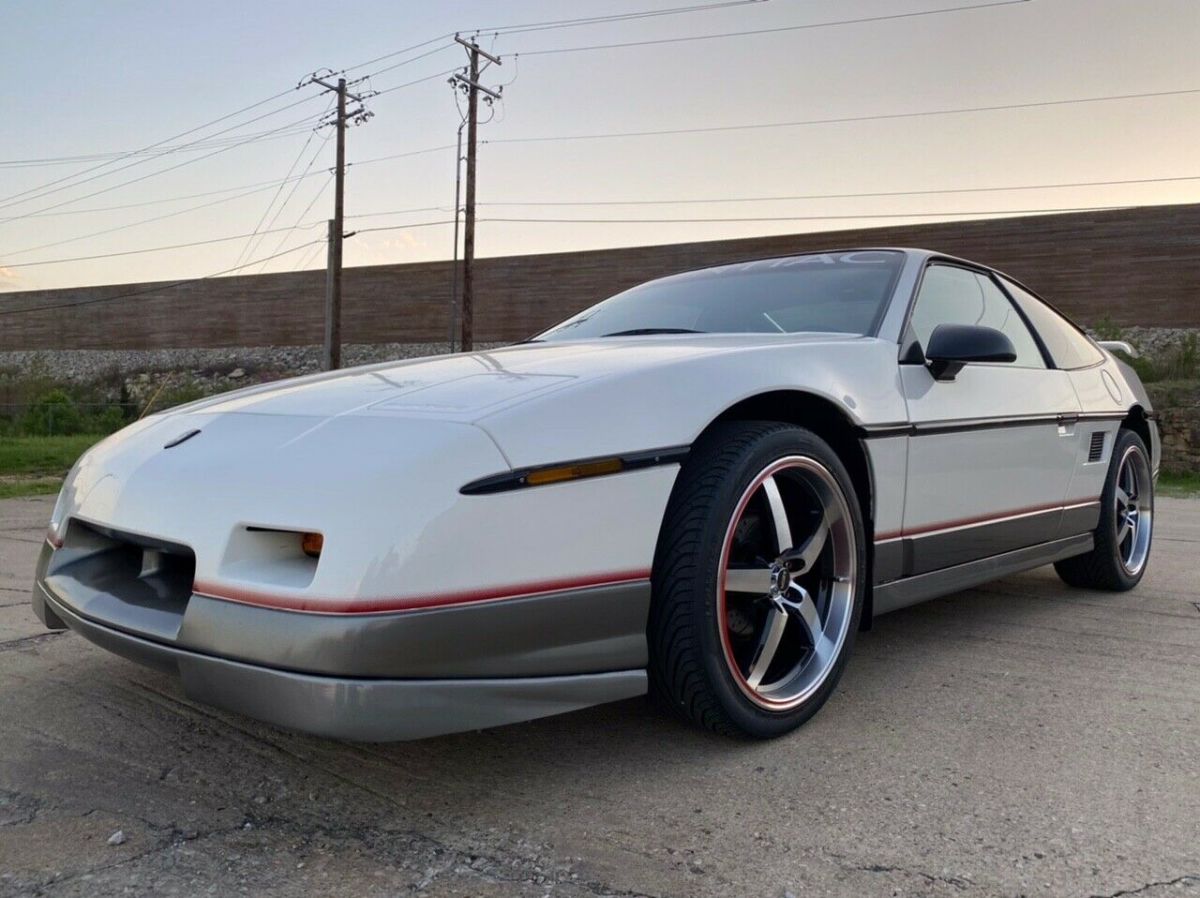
pixel 574 472
pixel 312 543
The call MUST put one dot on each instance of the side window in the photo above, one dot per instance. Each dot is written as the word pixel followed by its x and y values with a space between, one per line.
pixel 952 295
pixel 1067 345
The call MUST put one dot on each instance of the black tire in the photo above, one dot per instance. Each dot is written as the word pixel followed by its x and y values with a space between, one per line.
pixel 1103 567
pixel 689 671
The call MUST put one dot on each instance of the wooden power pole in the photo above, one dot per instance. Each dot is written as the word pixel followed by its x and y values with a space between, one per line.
pixel 333 273
pixel 473 89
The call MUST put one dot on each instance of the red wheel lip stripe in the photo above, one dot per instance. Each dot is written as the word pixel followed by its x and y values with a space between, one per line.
pixel 310 605
pixel 722 600
pixel 984 519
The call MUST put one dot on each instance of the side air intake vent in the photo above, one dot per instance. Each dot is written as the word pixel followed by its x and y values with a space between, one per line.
pixel 1097 450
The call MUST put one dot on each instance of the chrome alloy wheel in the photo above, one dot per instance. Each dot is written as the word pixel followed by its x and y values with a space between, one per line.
pixel 787 582
pixel 1134 508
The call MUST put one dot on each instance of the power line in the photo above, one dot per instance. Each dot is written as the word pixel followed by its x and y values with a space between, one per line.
pixel 157 249
pixel 257 187
pixel 617 17
pixel 14 199
pixel 777 30
pixel 404 62
pixel 93 157
pixel 401 52
pixel 442 74
pixel 844 119
pixel 158 288
pixel 807 196
pixel 541 26
pixel 748 219
pixel 136 180
pixel 134 224
pixel 802 196
pixel 250 244
pixel 304 212
pixel 442 148
pixel 308 257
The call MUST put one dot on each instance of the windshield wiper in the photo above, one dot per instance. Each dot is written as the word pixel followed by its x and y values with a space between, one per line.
pixel 645 331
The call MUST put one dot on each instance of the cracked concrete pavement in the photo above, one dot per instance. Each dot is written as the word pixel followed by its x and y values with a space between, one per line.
pixel 1021 739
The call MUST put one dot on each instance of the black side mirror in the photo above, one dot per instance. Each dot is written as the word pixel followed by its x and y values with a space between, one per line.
pixel 953 345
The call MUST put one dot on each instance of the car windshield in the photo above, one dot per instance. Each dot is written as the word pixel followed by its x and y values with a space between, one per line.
pixel 828 292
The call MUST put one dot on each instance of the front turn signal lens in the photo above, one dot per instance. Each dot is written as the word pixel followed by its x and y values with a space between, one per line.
pixel 574 472
pixel 312 544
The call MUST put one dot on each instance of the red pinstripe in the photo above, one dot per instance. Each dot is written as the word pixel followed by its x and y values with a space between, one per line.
pixel 967 522
pixel 411 603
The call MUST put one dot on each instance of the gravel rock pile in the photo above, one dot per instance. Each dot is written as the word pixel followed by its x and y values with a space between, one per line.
pixel 91 365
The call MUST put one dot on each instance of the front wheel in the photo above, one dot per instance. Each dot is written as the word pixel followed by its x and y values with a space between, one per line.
pixel 758 580
pixel 1122 539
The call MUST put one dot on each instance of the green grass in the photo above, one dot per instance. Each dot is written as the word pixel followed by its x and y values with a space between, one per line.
pixel 30 486
pixel 1186 486
pixel 36 466
pixel 42 456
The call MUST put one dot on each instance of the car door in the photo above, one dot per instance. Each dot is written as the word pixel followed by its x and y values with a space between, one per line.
pixel 1103 401
pixel 992 451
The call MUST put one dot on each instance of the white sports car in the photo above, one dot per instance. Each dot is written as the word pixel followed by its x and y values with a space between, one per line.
pixel 701 487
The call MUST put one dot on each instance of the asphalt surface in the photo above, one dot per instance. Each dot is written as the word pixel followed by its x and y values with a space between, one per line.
pixel 1018 739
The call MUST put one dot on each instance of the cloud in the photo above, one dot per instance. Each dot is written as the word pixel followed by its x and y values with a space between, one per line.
pixel 9 279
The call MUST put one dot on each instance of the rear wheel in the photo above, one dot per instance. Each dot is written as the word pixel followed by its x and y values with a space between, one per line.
pixel 758 580
pixel 1122 549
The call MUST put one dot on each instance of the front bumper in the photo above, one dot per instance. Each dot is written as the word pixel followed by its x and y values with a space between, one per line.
pixel 371 678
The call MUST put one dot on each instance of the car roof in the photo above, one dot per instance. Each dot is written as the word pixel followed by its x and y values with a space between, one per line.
pixel 912 252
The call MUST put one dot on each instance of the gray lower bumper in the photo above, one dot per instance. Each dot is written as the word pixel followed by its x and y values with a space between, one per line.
pixel 361 709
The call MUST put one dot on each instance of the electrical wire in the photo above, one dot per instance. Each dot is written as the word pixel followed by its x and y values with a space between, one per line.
pixel 776 30
pixel 747 219
pixel 271 134
pixel 309 256
pixel 617 17
pixel 39 192
pixel 258 186
pixel 134 224
pixel 436 75
pixel 811 196
pixel 887 116
pixel 251 245
pixel 133 180
pixel 540 26
pixel 157 249
pixel 303 214
pixel 410 153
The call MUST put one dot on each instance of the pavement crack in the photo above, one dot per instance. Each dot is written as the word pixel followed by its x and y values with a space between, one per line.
pixel 35 639
pixel 958 882
pixel 1162 883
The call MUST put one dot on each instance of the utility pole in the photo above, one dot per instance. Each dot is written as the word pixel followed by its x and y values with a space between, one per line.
pixel 471 86
pixel 458 160
pixel 333 273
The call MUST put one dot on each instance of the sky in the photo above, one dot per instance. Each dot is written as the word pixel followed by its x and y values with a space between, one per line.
pixel 87 78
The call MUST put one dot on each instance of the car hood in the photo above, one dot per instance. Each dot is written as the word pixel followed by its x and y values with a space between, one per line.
pixel 471 386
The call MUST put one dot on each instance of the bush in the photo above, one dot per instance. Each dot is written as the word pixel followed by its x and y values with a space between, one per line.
pixel 1107 329
pixel 1180 362
pixel 53 414
pixel 105 421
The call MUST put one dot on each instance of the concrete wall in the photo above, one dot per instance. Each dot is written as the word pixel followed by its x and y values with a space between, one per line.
pixel 1135 267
